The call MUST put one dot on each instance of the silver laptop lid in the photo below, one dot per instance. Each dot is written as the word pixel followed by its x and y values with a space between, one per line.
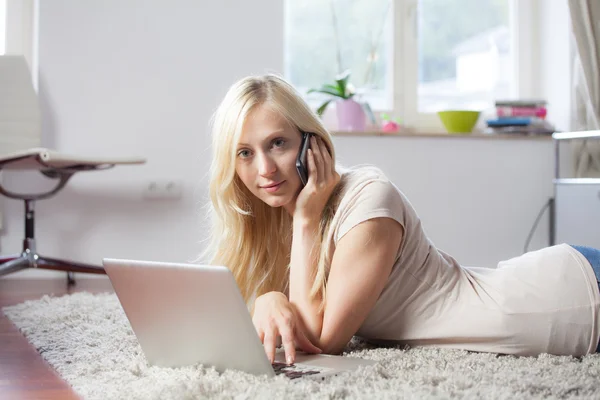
pixel 184 314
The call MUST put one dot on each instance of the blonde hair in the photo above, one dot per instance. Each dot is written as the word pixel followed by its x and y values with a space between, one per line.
pixel 248 236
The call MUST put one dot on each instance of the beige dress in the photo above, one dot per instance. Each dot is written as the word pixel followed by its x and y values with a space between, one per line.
pixel 545 301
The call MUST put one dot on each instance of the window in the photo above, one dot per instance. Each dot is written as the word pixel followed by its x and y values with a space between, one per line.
pixel 324 38
pixel 412 58
pixel 464 54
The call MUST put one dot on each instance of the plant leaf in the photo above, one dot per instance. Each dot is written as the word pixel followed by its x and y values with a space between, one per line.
pixel 342 81
pixel 322 108
pixel 369 112
pixel 328 89
pixel 332 87
pixel 344 76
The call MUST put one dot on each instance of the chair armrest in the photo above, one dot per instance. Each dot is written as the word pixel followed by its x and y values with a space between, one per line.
pixel 55 165
pixel 42 158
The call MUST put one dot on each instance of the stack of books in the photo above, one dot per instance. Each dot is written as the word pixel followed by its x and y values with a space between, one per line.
pixel 520 116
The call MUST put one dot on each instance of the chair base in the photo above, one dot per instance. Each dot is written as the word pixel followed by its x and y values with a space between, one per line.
pixel 19 262
pixel 29 258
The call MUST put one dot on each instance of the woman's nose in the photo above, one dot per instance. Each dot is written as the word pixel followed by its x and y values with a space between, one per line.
pixel 266 165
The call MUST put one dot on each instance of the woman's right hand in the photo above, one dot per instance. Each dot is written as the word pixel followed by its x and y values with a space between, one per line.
pixel 275 316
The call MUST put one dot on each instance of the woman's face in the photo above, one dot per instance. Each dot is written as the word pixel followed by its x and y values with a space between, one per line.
pixel 266 158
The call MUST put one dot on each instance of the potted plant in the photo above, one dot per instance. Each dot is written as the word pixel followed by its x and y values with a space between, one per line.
pixel 350 113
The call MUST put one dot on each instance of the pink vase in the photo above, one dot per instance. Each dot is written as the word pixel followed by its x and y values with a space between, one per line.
pixel 351 116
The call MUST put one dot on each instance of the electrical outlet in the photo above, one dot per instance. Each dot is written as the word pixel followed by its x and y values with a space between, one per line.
pixel 163 189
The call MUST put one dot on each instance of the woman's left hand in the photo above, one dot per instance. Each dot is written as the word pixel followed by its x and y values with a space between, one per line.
pixel 322 179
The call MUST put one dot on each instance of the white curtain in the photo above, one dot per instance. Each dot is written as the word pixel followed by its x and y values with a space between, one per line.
pixel 585 103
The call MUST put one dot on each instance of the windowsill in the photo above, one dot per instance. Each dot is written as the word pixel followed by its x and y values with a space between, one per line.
pixel 474 135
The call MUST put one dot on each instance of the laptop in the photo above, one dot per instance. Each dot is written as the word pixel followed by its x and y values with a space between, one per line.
pixel 185 314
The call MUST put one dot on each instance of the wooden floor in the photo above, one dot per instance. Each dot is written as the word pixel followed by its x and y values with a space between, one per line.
pixel 23 372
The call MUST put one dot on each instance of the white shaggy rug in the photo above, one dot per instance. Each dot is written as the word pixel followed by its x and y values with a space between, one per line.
pixel 89 341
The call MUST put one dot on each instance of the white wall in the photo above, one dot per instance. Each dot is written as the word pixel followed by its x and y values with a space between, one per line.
pixel 143 78
pixel 478 198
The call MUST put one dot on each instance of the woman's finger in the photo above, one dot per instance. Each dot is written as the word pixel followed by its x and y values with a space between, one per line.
pixel 328 166
pixel 315 146
pixel 261 334
pixel 269 343
pixel 312 168
pixel 286 330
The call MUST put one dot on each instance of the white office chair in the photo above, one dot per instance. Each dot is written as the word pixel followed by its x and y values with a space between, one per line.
pixel 20 148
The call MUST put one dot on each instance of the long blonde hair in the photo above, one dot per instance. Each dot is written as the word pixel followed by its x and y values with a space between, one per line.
pixel 248 236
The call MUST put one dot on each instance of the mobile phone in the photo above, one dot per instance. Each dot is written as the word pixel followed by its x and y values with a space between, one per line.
pixel 301 163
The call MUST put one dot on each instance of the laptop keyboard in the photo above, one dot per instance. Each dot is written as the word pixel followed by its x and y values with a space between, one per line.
pixel 296 370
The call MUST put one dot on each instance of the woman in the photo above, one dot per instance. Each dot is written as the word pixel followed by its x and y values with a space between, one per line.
pixel 346 254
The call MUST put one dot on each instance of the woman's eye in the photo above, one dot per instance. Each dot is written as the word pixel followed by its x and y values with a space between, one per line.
pixel 243 153
pixel 278 142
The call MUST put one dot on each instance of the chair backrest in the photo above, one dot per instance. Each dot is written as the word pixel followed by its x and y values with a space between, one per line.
pixel 20 117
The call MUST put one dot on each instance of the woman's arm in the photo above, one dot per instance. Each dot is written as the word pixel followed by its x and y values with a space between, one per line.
pixel 322 179
pixel 302 275
pixel 360 267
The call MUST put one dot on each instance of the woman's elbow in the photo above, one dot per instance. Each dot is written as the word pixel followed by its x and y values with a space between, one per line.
pixel 332 347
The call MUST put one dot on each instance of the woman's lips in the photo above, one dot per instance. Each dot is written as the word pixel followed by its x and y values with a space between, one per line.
pixel 273 188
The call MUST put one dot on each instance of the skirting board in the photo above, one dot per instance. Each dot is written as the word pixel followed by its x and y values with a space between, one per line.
pixel 33 273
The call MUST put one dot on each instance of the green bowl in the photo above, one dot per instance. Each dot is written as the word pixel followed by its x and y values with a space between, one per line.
pixel 459 121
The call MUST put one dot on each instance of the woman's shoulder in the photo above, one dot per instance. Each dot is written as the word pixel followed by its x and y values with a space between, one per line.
pixel 367 193
pixel 362 173
pixel 365 177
